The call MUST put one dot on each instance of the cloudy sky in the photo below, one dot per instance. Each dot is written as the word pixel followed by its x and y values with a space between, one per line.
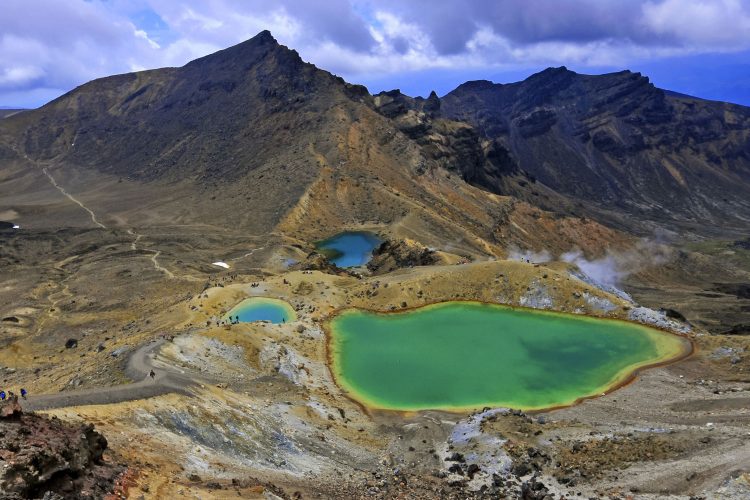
pixel 699 47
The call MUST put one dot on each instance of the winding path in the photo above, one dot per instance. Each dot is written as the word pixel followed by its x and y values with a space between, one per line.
pixel 73 199
pixel 154 254
pixel 167 380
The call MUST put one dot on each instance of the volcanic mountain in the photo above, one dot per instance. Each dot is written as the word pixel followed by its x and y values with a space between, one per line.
pixel 614 143
pixel 253 139
pixel 137 211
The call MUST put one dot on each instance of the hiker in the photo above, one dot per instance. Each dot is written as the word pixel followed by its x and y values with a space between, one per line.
pixel 2 395
pixel 23 393
pixel 152 374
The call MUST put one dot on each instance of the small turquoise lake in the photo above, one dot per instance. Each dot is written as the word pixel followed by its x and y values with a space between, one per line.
pixel 262 309
pixel 350 248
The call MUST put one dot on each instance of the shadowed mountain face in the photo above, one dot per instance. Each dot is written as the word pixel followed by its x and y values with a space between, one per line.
pixel 192 121
pixel 245 129
pixel 618 142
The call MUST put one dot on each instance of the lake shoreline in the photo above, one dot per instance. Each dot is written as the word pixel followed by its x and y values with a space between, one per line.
pixel 621 378
pixel 285 311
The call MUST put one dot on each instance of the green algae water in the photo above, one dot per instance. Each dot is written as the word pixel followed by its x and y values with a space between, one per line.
pixel 262 309
pixel 466 355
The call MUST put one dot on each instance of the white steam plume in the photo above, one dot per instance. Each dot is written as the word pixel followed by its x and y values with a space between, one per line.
pixel 515 253
pixel 616 265
pixel 606 272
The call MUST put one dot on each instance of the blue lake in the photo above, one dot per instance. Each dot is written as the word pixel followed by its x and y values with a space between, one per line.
pixel 349 249
pixel 262 309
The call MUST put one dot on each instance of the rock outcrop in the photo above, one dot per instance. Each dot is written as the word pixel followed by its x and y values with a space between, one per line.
pixel 615 141
pixel 316 261
pixel 392 255
pixel 600 142
pixel 44 457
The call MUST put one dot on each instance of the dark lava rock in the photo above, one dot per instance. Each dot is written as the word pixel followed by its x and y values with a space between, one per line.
pixel 71 343
pixel 432 104
pixel 391 255
pixel 11 319
pixel 520 469
pixel 533 489
pixel 739 290
pixel 471 470
pixel 44 457
pixel 10 409
pixel 674 314
pixel 318 262
pixel 536 123
pixel 607 143
pixel 456 457
pixel 456 469
pixel 740 329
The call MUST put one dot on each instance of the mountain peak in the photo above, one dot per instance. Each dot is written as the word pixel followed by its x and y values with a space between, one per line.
pixel 264 36
pixel 552 70
pixel 475 85
pixel 552 74
pixel 251 49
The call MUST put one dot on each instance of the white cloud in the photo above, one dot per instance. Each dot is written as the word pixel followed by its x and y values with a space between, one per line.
pixel 720 24
pixel 49 44
pixel 143 35
pixel 18 75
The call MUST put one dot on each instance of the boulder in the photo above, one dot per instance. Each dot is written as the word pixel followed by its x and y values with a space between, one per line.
pixel 395 254
pixel 47 458
pixel 316 261
pixel 10 409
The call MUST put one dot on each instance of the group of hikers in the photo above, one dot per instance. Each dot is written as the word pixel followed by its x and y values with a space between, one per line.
pixel 233 320
pixel 11 394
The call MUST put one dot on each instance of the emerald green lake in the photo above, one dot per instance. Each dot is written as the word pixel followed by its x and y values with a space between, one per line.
pixel 466 355
pixel 262 309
